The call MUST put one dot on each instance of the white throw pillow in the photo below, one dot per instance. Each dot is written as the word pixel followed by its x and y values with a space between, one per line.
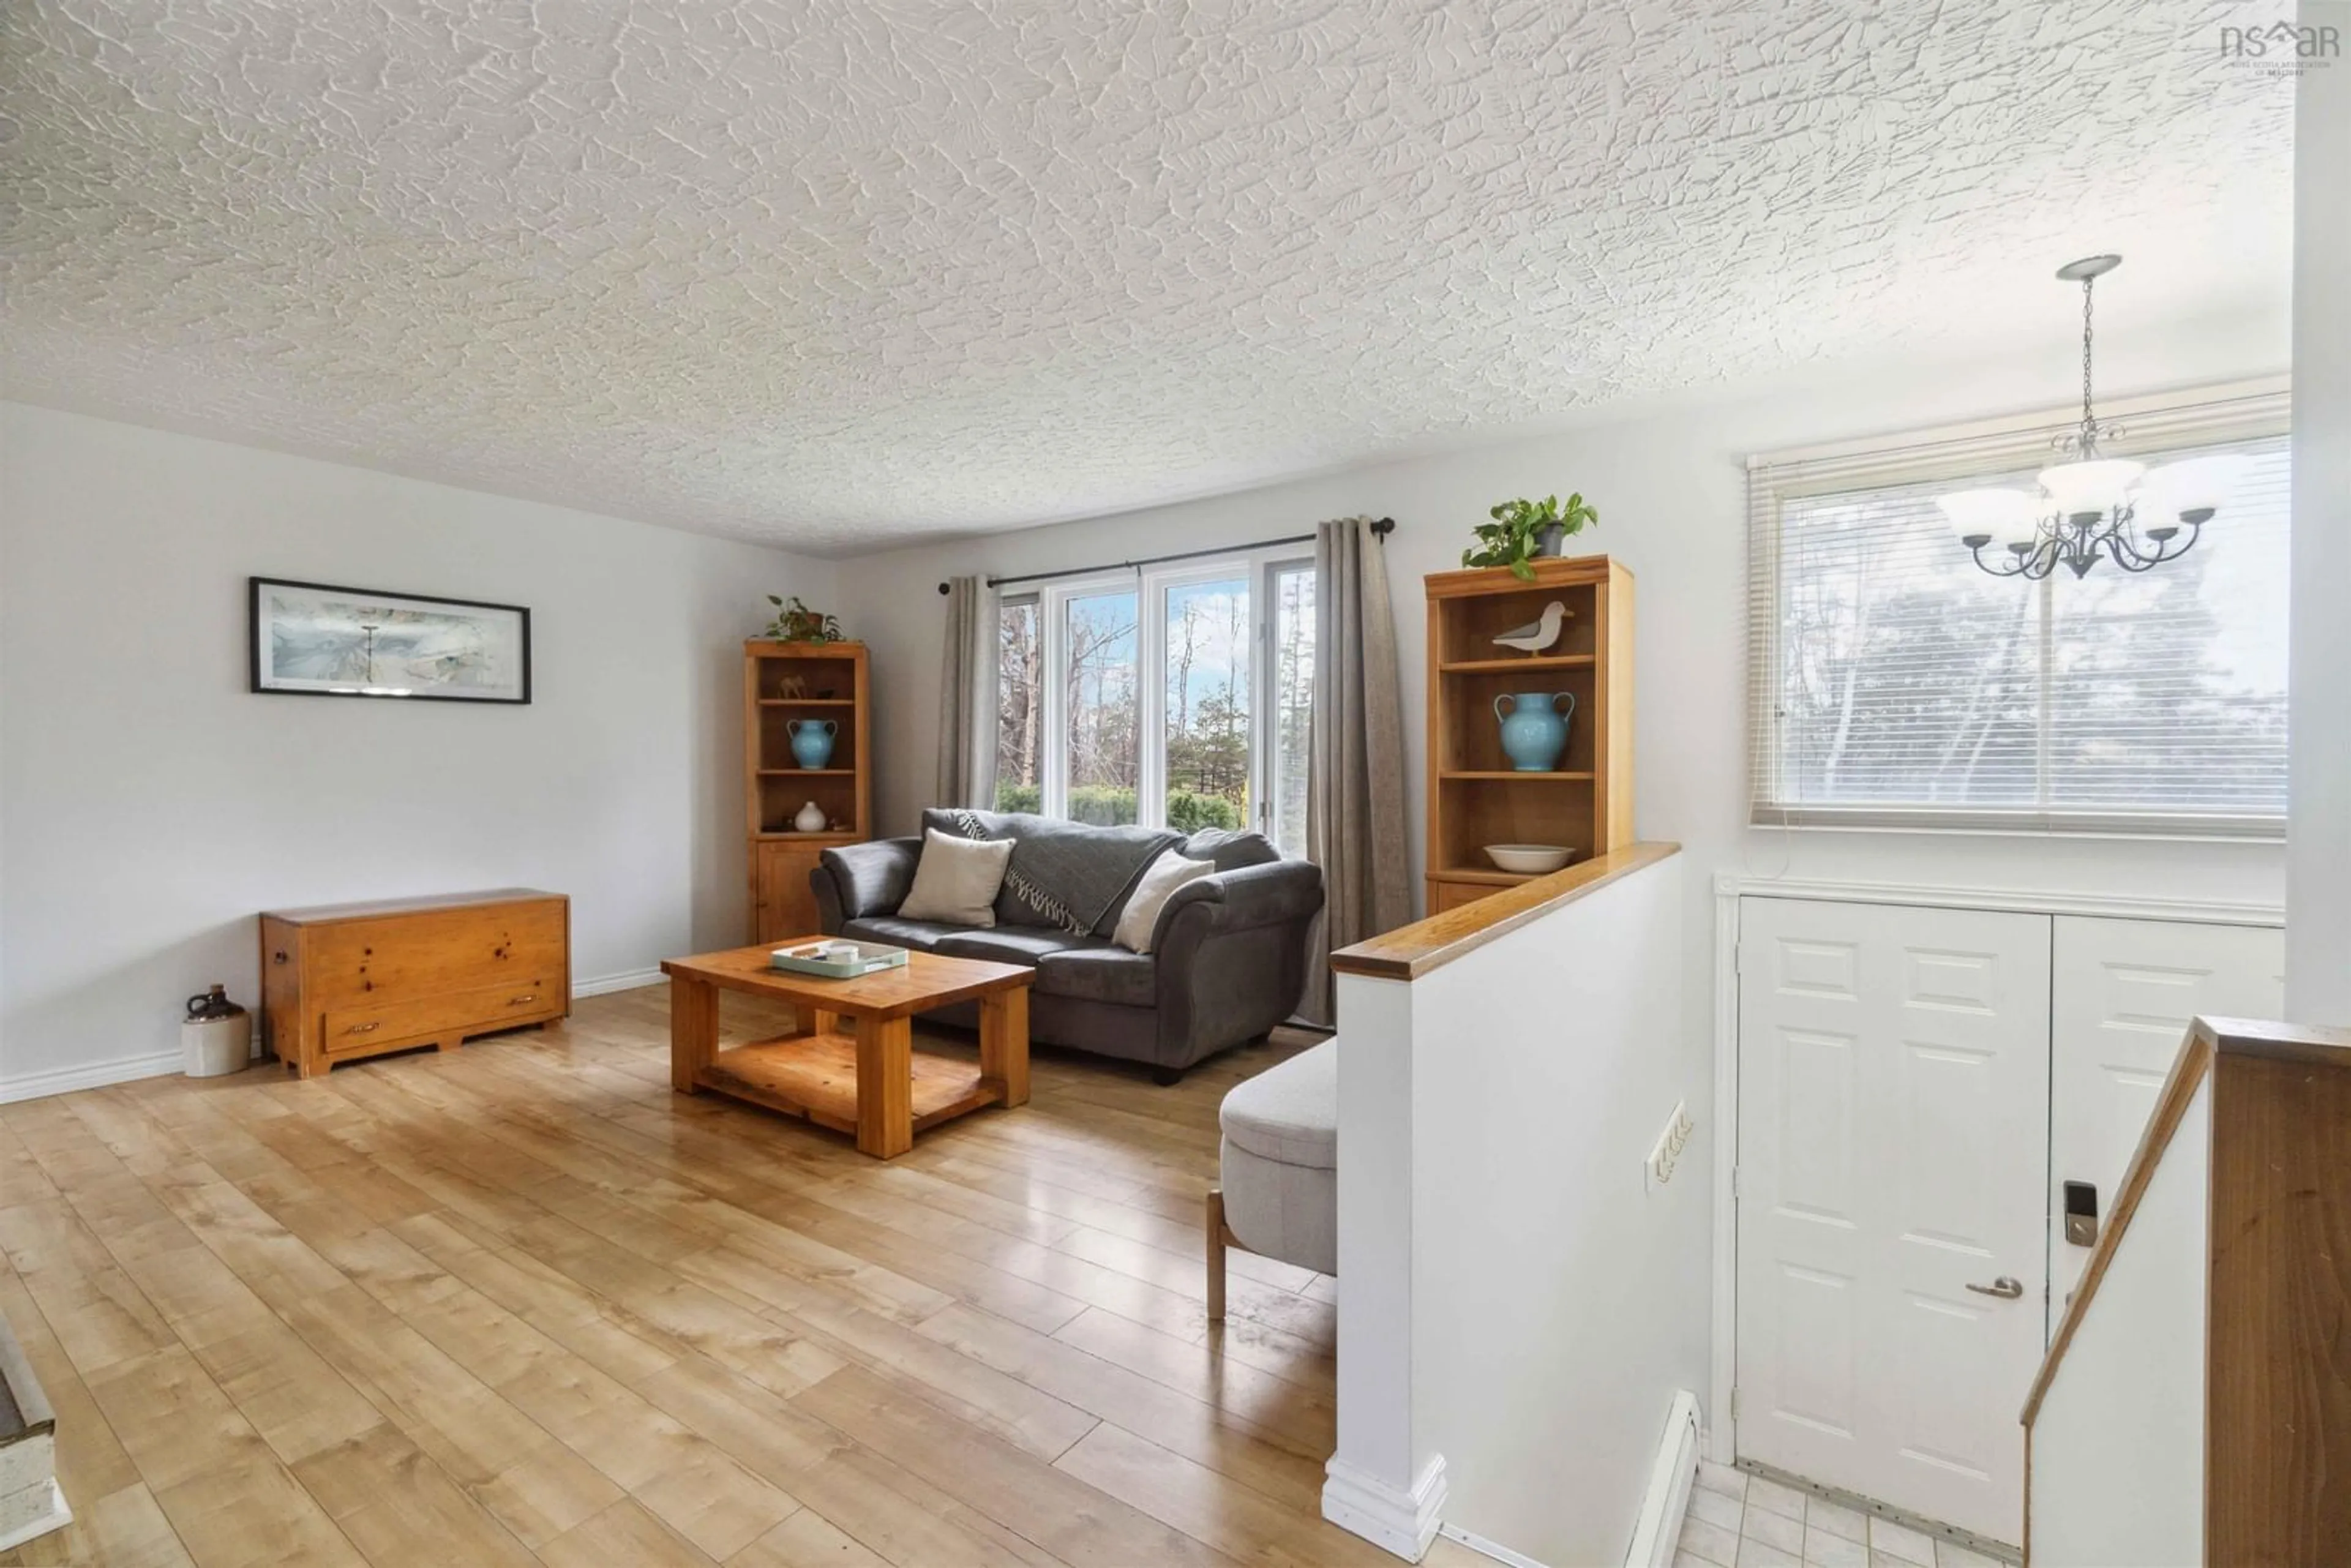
pixel 956 881
pixel 1139 923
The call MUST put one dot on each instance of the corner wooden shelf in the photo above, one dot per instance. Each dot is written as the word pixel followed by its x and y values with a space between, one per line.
pixel 1515 775
pixel 1475 796
pixel 783 681
pixel 1522 661
pixel 1486 877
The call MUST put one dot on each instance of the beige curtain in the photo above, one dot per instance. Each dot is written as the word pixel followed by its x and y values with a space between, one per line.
pixel 967 698
pixel 1354 781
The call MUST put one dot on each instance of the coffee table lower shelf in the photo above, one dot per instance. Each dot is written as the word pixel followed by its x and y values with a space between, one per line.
pixel 815 1076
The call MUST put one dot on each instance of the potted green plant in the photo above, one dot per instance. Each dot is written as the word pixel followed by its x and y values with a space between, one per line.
pixel 796 622
pixel 1523 531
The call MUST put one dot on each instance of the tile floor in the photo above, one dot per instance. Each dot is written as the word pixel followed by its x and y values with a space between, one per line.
pixel 1739 1521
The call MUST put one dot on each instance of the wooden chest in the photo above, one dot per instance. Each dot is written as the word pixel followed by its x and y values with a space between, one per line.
pixel 347 980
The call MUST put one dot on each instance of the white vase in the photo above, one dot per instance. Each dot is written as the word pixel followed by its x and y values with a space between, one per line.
pixel 810 820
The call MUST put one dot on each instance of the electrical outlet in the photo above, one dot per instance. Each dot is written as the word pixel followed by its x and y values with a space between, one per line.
pixel 1668 1153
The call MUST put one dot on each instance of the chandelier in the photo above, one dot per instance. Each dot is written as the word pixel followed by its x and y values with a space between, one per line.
pixel 2089 505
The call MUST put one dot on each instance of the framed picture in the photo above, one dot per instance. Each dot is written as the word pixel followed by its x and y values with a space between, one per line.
pixel 313 640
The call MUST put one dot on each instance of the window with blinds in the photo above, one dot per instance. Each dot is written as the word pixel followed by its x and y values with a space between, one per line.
pixel 1895 683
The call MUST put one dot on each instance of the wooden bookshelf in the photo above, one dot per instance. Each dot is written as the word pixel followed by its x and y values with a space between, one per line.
pixel 783 681
pixel 1475 795
pixel 1523 662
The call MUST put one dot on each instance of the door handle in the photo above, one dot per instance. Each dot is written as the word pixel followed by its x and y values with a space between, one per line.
pixel 2005 1288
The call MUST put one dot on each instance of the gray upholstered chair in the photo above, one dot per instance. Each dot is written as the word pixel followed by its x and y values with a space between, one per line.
pixel 1279 1164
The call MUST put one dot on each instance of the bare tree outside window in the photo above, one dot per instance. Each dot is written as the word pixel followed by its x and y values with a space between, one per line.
pixel 1100 649
pixel 1290 733
pixel 1074 678
pixel 1909 680
pixel 1021 706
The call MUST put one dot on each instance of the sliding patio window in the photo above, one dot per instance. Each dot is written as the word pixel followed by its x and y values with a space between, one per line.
pixel 1174 698
pixel 1896 683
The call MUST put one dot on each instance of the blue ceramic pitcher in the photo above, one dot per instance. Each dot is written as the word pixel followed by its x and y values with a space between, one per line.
pixel 812 741
pixel 1534 732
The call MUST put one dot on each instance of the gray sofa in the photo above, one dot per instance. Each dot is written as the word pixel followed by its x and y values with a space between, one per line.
pixel 1227 962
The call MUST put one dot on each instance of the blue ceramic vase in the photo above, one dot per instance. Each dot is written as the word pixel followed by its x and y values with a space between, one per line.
pixel 812 741
pixel 1534 732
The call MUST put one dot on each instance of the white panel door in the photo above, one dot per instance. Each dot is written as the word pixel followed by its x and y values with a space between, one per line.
pixel 2123 993
pixel 1893 1152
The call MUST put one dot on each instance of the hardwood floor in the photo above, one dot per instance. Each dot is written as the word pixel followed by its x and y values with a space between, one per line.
pixel 521 1303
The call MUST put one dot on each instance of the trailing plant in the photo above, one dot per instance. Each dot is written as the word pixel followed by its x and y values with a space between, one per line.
pixel 1515 536
pixel 796 622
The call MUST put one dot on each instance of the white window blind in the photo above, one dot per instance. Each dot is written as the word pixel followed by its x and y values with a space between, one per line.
pixel 1895 683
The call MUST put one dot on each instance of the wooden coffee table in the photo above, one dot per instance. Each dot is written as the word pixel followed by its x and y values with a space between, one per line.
pixel 869 1083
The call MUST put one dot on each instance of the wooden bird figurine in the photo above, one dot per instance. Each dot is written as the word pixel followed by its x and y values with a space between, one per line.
pixel 1536 635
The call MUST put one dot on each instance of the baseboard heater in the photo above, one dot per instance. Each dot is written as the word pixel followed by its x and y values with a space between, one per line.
pixel 1670 1478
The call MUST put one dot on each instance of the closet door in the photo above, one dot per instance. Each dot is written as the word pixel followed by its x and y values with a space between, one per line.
pixel 1893 1155
pixel 2124 991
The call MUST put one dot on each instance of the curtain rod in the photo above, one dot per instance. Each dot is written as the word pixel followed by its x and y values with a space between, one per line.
pixel 1380 529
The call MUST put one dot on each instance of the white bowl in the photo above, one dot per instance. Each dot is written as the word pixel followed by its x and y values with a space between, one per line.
pixel 1534 858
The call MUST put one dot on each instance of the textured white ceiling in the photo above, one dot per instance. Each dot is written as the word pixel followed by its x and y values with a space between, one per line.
pixel 830 274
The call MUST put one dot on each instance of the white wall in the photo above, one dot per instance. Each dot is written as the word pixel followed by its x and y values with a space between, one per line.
pixel 2118 1446
pixel 2318 925
pixel 151 806
pixel 1558 1306
pixel 1531 1323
